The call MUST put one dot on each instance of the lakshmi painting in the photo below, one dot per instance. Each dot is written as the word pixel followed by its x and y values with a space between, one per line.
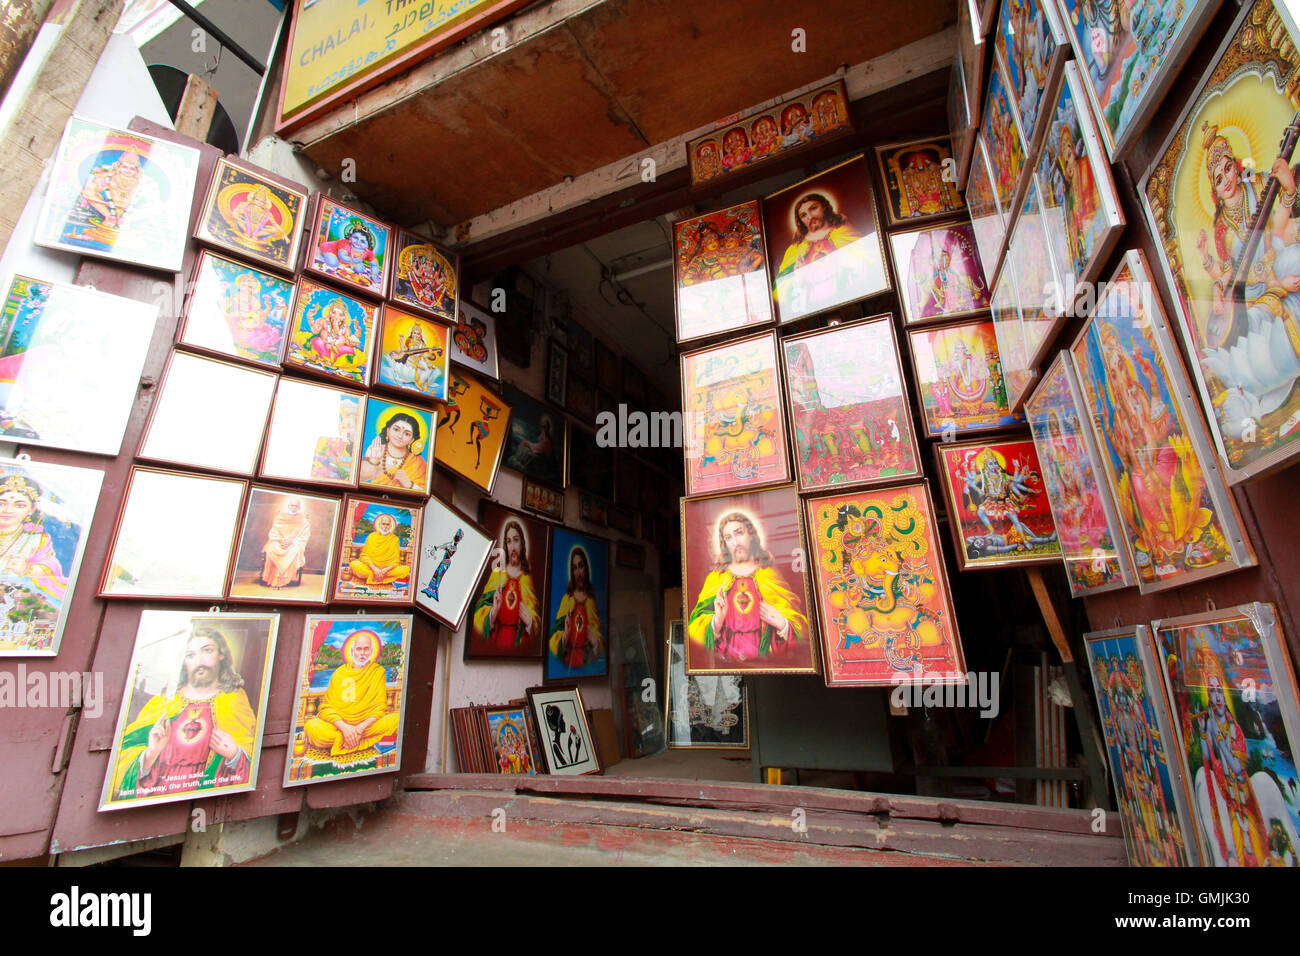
pixel 940 271
pixel 959 378
pixel 236 310
pixel 331 333
pixel 720 265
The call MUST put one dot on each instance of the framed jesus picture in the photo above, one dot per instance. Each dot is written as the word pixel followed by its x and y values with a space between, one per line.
pixel 236 311
pixel 959 379
pixel 397 455
pixel 918 179
pixel 508 616
pixel 379 552
pixel 471 436
pixel 413 355
pixel 253 215
pixel 882 589
pixel 349 247
pixel 425 277
pixel 351 698
pixel 940 273
pixel 453 554
pixel 824 242
pixel 568 747
pixel 577 638
pixel 746 602
pixel 720 268
pixel 286 547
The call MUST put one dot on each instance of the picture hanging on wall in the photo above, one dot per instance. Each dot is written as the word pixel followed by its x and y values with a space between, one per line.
pixel 824 240
pixel 314 435
pixel 351 698
pixel 379 552
pixel 286 548
pixel 567 745
pixel 471 436
pixel 119 195
pixel 577 641
pixel 71 360
pixel 413 355
pixel 959 378
pixel 720 268
pixel 1039 280
pixel 965 91
pixel 193 708
pixel 1031 43
pixel 1009 329
pixel 919 184
pixel 349 247
pixel 590 466
pixel 474 340
pixel 543 500
pixel 508 616
pixel 252 215
pixel 987 218
pixel 331 333
pixel 45 516
pixel 425 277
pixel 1003 140
pixel 940 271
pixel 397 453
pixel 557 373
pixel 537 443
pixel 704 711
pixel 236 311
pixel 454 552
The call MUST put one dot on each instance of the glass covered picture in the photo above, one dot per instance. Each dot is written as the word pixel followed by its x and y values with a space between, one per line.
pixel 824 242
pixel 536 445
pixel 703 711
pixel 453 554
pixel 848 408
pixel 174 536
pixel 1002 138
pixel 1233 693
pixel 1031 44
pixel 350 700
pixel 940 271
pixel 1220 200
pixel 379 552
pixel 474 340
pixel 987 218
pixel 45 516
pixel 733 427
pixel 508 617
pixel 959 378
pixel 1139 746
pixel 997 504
pixel 471 435
pixel 882 589
pixel 918 179
pixel 1079 490
pixel 720 267
pixel 413 355
pixel 568 747
pixel 187 427
pixel 1034 274
pixel 578 627
pixel 425 277
pixel 1009 329
pixel 508 731
pixel 253 215
pixel 237 311
pixel 286 548
pixel 193 708
pixel 397 454
pixel 746 602
pixel 331 333
pixel 349 247
pixel 1178 520
pixel 314 434
pixel 70 364
pixel 119 195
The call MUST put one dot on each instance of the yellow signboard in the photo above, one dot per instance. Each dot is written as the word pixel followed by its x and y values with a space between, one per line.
pixel 339 46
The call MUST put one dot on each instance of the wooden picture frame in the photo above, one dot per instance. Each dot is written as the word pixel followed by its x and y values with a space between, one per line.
pixel 236 311
pixel 248 212
pixel 940 273
pixel 487 425
pixel 425 278
pixel 377 563
pixel 959 381
pixel 397 455
pixel 474 339
pixel 412 356
pixel 679 727
pixel 520 562
pixel 543 500
pixel 331 334
pixel 568 748
pixel 918 183
pixel 288 566
pixel 511 738
pixel 578 632
pixel 313 436
pixel 538 439
pixel 719 274
pixel 557 373
pixel 348 247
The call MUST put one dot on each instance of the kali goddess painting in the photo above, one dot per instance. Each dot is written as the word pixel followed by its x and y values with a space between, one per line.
pixel 1079 492
pixel 236 310
pixel 1233 696
pixel 959 377
pixel 507 619
pixel 349 247
pixel 331 333
pixel 733 426
pixel 1221 200
pixel 746 595
pixel 882 589
pixel 1178 520
pixel 920 180
pixel 380 548
pixel 425 277
pixel 721 269
pixel 1139 741
pixel 577 644
pixel 848 408
pixel 351 697
pixel 252 215
pixel 940 271
pixel 997 504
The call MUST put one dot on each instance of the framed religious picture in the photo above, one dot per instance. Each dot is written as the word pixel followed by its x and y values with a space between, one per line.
pixel 236 311
pixel 1151 442
pixel 988 221
pixel 629 554
pixel 348 247
pixel 476 424
pixel 1036 277
pixel 720 273
pixel 959 379
pixel 543 500
pixel 627 479
pixel 580 398
pixel 397 453
pixel 193 708
pixel 1077 486
pixel 582 354
pixel 351 698
pixel 824 237
pixel 568 748
pixel 733 426
pixel 997 504
pixel 72 359
pixel 286 548
pixel 508 616
pixel 1141 748
pixel 965 90
pixel 379 552
pixel 187 427
pixel 1004 141
pixel 45 516
pixel 849 410
pixel 746 600
pixel 704 711
pixel 119 195
pixel 314 435
pixel 536 443
pixel 1232 696
pixel 1127 77
pixel 508 731
pixel 331 333
pixel 591 465
pixel 940 273
pixel 426 277
pixel 252 215
pixel 1009 329
pixel 474 340
pixel 1082 219
pixel 1032 46
pixel 607 366
pixel 454 551
pixel 577 630
pixel 919 180
pixel 174 536
pixel 593 509
pixel 557 373
pixel 413 355
pixel 1219 198
pixel 883 604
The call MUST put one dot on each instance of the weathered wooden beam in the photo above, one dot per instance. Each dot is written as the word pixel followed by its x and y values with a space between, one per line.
pixel 197 109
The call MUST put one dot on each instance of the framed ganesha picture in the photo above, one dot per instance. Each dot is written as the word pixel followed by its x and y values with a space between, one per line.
pixel 237 311
pixel 959 379
pixel 331 333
